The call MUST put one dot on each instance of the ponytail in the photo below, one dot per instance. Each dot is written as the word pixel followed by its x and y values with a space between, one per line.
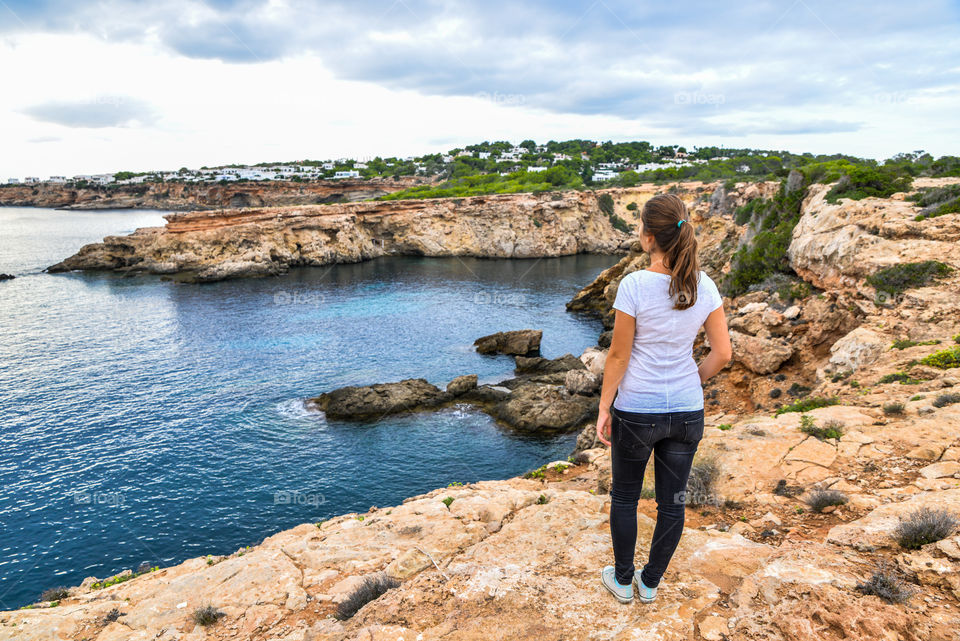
pixel 664 217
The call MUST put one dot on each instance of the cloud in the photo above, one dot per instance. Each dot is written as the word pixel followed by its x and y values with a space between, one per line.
pixel 102 111
pixel 39 139
pixel 693 64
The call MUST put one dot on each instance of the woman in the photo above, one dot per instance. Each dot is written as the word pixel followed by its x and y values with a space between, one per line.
pixel 659 397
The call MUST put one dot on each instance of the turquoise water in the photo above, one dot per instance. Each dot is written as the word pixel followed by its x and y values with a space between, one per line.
pixel 147 421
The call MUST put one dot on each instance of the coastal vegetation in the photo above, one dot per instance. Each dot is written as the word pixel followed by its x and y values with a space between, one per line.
pixel 372 587
pixel 923 526
pixel 899 278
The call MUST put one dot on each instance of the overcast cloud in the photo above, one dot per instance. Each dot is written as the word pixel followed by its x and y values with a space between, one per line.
pixel 875 78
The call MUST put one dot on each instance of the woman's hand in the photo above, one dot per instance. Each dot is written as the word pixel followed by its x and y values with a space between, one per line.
pixel 603 426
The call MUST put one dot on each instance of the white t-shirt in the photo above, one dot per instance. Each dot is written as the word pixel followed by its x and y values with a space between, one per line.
pixel 661 375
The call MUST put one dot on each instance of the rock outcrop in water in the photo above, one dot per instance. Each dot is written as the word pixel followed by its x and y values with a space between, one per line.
pixel 173 196
pixel 208 246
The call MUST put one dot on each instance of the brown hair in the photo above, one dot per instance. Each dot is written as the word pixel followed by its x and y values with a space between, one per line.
pixel 661 217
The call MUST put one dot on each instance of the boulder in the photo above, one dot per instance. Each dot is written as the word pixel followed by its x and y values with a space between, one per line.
pixel 759 355
pixel 539 365
pixel 522 342
pixel 462 384
pixel 536 407
pixel 360 402
pixel 595 360
pixel 860 347
pixel 580 381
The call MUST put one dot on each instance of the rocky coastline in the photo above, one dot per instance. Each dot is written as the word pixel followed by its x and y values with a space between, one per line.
pixel 832 443
pixel 178 196
pixel 253 242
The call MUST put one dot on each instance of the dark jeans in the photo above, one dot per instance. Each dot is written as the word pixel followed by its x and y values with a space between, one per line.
pixel 672 438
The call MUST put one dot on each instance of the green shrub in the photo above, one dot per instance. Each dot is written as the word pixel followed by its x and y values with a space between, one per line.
pixel 632 206
pixel 937 201
pixel 944 359
pixel 863 182
pixel 54 594
pixel 899 278
pixel 924 525
pixel 373 587
pixel 207 615
pixel 830 429
pixel 701 484
pixel 946 399
pixel 807 404
pixel 766 254
pixel 918 397
pixel 956 339
pixel 447 501
pixel 724 426
pixel 896 407
pixel 886 585
pixel 819 499
pixel 899 377
pixel 605 201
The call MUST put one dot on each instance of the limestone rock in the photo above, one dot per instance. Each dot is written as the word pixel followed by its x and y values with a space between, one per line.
pixel 357 402
pixel 462 384
pixel 759 355
pixel 857 349
pixel 518 342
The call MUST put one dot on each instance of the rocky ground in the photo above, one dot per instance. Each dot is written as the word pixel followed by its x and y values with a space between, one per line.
pixel 759 560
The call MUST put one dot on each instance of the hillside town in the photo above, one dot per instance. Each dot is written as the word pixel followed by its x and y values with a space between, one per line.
pixel 499 158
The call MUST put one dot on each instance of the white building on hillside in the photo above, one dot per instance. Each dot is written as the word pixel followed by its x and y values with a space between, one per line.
pixel 13 181
pixel 347 174
pixel 57 179
pixel 31 179
pixel 605 174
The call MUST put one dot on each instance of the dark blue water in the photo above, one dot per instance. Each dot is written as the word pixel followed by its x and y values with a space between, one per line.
pixel 147 421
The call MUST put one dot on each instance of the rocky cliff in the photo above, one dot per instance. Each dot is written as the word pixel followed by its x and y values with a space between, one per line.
pixel 196 196
pixel 521 558
pixel 215 245
pixel 825 331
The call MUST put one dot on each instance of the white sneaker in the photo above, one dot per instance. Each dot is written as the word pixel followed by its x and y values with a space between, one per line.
pixel 644 594
pixel 623 593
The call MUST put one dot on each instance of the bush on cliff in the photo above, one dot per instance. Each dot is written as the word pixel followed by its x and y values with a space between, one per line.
pixel 553 179
pixel 207 615
pixel 766 253
pixel 936 201
pixel 860 182
pixel 944 359
pixel 899 278
pixel 373 587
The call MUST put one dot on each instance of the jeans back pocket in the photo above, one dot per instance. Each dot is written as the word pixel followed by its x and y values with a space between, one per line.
pixel 635 434
pixel 693 429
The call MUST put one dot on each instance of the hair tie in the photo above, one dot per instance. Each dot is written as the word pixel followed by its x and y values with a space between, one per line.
pixel 681 222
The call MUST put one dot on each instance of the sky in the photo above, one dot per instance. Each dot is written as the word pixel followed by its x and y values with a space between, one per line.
pixel 111 85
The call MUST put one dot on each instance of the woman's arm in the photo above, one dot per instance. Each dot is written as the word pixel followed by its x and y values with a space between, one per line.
pixel 720 350
pixel 618 356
